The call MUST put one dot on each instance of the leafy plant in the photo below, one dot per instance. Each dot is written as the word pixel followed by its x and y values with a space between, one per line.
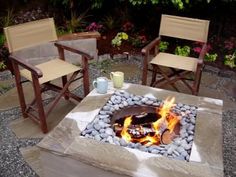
pixel 179 4
pixel 211 57
pixel 182 51
pixel 2 39
pixel 4 53
pixel 109 22
pixel 138 40
pixel 8 19
pixel 2 65
pixel 117 41
pixel 61 31
pixel 163 46
pixel 103 65
pixel 230 60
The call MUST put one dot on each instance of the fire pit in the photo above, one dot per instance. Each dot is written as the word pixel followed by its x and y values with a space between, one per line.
pixel 145 123
pixel 88 141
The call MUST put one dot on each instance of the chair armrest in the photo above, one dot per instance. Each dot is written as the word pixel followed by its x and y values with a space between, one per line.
pixel 151 45
pixel 145 52
pixel 34 70
pixel 203 51
pixel 68 48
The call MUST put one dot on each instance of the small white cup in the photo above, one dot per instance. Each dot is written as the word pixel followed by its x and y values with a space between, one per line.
pixel 101 84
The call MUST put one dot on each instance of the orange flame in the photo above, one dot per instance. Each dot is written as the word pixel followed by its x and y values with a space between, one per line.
pixel 168 120
pixel 124 133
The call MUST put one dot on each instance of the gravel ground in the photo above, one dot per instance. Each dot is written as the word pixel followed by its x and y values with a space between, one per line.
pixel 12 163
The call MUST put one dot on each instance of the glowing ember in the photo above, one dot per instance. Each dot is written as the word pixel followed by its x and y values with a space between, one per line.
pixel 160 130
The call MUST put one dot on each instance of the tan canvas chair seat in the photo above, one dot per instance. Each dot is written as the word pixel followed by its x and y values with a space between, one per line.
pixel 38 56
pixel 51 70
pixel 170 60
pixel 179 66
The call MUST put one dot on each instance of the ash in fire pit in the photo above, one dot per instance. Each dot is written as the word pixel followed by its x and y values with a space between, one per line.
pixel 147 124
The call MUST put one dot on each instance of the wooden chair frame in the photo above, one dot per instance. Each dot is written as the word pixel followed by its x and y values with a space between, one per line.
pixel 152 49
pixel 36 106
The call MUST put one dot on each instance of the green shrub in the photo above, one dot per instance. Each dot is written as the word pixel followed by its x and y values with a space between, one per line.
pixel 117 41
pixel 110 22
pixel 2 39
pixel 182 51
pixel 211 57
pixel 230 60
pixel 163 46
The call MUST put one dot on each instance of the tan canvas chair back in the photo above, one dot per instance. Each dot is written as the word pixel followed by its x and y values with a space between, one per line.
pixel 184 28
pixel 30 34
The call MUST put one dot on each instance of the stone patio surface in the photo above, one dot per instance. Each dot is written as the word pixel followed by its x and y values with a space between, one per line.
pixel 214 84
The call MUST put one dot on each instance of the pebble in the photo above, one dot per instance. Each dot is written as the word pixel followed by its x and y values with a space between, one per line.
pixel 144 100
pixel 156 104
pixel 102 130
pixel 190 138
pixel 102 124
pixel 106 120
pixel 155 151
pixel 112 109
pixel 117 143
pixel 125 103
pixel 191 128
pixel 116 107
pixel 184 153
pixel 88 131
pixel 94 132
pixel 130 103
pixel 104 135
pixel 109 131
pixel 106 108
pixel 121 105
pixel 136 98
pixel 180 149
pixel 123 142
pixel 126 95
pixel 186 107
pixel 103 116
pixel 97 126
pixel 102 112
pixel 138 102
pixel 97 137
pixel 110 139
pixel 131 145
pixel 89 126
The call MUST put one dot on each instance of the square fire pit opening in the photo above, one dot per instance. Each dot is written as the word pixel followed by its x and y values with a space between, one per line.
pixel 160 127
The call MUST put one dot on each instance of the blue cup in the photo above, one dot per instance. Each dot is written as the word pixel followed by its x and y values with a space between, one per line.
pixel 101 85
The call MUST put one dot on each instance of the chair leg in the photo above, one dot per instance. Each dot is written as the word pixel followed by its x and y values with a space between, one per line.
pixel 20 90
pixel 64 81
pixel 154 75
pixel 197 81
pixel 85 76
pixel 39 102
